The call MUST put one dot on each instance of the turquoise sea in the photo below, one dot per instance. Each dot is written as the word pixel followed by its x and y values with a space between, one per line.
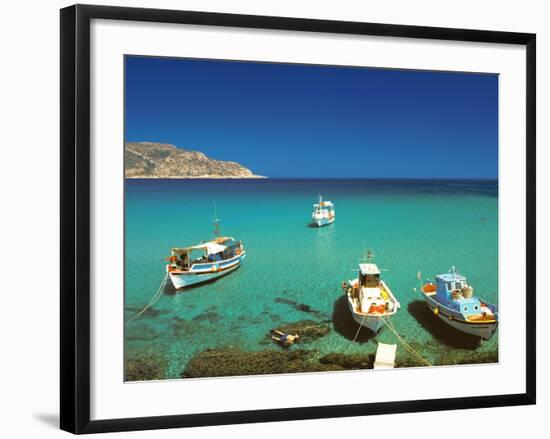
pixel 293 272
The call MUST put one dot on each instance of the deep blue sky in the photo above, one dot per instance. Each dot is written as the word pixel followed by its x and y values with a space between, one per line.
pixel 317 121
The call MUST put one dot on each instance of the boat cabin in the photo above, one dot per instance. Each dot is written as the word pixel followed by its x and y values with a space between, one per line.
pixel 369 276
pixel 370 295
pixel 208 252
pixel 323 207
pixel 449 292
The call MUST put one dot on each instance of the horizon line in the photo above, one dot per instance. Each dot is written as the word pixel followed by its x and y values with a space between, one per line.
pixel 319 178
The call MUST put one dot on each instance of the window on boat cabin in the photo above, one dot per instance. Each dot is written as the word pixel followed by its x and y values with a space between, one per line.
pixel 215 257
pixel 458 285
pixel 231 250
pixel 449 286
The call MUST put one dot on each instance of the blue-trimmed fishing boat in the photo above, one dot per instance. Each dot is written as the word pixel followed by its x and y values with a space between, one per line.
pixel 451 299
pixel 323 213
pixel 205 261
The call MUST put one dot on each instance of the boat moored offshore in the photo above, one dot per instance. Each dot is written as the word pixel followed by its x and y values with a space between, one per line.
pixel 323 213
pixel 451 299
pixel 370 300
pixel 205 261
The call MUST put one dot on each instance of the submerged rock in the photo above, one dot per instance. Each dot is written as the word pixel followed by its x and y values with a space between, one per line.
pixel 445 358
pixel 235 362
pixel 349 361
pixel 450 358
pixel 308 330
pixel 182 327
pixel 407 360
pixel 149 312
pixel 145 367
pixel 209 316
pixel 140 331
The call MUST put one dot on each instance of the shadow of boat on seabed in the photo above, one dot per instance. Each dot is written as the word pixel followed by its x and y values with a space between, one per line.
pixel 439 329
pixel 345 325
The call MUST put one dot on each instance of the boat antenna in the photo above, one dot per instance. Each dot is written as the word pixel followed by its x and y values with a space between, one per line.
pixel 368 254
pixel 216 222
pixel 453 270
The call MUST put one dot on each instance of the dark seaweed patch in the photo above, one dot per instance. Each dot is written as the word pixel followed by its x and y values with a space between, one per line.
pixel 145 367
pixel 142 332
pixel 149 312
pixel 352 361
pixel 209 316
pixel 449 358
pixel 182 327
pixel 298 306
pixel 235 362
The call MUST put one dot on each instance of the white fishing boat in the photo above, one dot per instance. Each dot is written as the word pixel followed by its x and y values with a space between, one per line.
pixel 206 261
pixel 370 300
pixel 323 213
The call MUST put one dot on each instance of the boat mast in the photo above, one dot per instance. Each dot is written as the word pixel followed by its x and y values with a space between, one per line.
pixel 368 255
pixel 216 223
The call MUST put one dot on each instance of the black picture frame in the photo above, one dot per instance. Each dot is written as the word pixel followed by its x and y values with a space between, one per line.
pixel 75 217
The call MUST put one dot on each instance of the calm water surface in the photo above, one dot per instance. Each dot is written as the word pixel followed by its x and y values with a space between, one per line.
pixel 410 225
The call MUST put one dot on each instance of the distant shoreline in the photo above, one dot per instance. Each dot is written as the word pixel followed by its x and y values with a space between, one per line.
pixel 151 160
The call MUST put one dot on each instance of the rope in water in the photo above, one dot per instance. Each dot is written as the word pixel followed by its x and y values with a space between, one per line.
pixel 406 345
pixel 153 300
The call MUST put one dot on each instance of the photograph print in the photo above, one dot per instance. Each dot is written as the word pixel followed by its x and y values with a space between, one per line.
pixel 293 218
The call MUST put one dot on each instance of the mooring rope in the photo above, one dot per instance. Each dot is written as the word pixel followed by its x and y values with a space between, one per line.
pixel 358 329
pixel 153 300
pixel 406 345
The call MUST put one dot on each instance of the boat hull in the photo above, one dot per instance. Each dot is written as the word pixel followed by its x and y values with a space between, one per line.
pixel 484 330
pixel 202 273
pixel 323 221
pixel 374 323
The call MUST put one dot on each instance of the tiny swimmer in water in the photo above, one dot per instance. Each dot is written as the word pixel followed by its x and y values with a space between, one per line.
pixel 284 338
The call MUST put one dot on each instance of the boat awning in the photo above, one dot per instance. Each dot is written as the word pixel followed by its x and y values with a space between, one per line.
pixel 210 247
pixel 450 277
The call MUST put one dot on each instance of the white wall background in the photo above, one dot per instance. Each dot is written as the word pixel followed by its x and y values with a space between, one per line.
pixel 29 249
